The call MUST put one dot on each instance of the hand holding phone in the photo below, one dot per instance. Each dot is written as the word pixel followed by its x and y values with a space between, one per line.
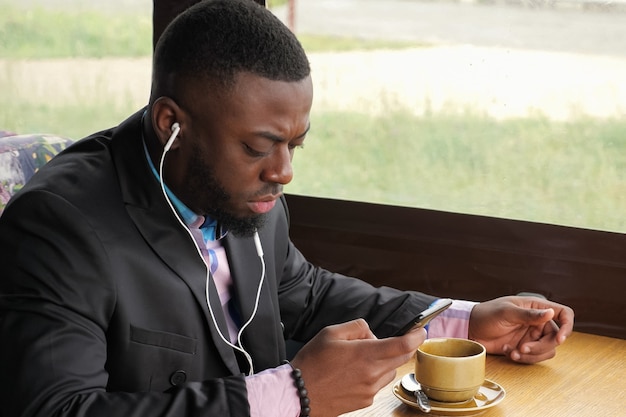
pixel 427 315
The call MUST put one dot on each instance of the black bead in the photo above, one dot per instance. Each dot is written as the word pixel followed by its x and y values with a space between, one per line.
pixel 305 410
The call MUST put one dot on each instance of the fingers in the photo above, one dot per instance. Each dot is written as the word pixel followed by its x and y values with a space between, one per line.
pixel 391 352
pixel 526 329
pixel 536 351
pixel 530 357
pixel 393 346
pixel 556 313
pixel 345 365
pixel 355 336
pixel 539 344
pixel 351 330
pixel 413 339
pixel 405 346
pixel 534 316
pixel 563 317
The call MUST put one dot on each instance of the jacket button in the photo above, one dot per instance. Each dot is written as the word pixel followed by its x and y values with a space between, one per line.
pixel 178 377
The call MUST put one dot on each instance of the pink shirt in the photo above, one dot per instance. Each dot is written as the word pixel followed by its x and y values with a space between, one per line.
pixel 453 322
pixel 272 393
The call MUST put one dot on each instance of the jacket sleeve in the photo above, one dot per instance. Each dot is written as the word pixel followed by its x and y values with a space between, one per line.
pixel 54 315
pixel 312 298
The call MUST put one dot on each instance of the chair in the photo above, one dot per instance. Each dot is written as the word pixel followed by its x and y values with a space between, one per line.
pixel 21 156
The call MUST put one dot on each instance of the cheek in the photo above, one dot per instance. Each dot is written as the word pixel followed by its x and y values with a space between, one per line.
pixel 238 177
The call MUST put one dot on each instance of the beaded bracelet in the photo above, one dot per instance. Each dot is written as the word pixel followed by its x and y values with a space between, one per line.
pixel 296 373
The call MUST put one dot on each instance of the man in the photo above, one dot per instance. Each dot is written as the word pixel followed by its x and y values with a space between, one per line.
pixel 147 270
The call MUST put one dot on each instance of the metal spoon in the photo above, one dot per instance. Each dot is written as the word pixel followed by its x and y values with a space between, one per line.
pixel 410 385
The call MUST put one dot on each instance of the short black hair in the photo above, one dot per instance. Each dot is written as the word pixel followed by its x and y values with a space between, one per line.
pixel 214 40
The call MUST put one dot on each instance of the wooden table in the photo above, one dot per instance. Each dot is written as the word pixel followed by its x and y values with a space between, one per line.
pixel 587 378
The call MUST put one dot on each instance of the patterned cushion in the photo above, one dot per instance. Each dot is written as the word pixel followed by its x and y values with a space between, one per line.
pixel 21 156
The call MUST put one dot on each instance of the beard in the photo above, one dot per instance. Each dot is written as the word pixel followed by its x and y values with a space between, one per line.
pixel 238 226
pixel 214 200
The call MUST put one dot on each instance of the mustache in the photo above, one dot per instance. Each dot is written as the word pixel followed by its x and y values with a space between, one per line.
pixel 273 189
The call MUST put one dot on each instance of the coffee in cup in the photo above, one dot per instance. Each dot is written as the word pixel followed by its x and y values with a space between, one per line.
pixel 450 369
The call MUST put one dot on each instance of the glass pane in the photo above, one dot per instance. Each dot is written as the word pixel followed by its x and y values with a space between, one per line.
pixel 507 109
pixel 73 67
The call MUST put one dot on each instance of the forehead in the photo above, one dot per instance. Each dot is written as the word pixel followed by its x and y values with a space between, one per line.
pixel 249 94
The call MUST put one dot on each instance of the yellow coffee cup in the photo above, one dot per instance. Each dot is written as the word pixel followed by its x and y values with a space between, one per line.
pixel 450 369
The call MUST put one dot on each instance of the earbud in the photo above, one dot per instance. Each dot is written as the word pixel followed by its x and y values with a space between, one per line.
pixel 170 141
pixel 257 244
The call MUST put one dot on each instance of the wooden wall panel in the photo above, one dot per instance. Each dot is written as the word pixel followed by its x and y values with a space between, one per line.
pixel 468 257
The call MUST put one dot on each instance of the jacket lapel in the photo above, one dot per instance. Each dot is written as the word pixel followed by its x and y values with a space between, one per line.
pixel 263 337
pixel 162 231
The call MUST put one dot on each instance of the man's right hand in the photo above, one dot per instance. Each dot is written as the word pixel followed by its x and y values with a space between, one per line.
pixel 345 365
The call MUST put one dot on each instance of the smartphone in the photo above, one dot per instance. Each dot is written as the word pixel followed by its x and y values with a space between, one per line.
pixel 426 316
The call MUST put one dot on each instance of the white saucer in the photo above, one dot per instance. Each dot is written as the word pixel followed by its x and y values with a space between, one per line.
pixel 488 395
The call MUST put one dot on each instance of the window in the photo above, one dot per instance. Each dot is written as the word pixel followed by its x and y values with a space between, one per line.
pixel 73 67
pixel 512 110
pixel 506 109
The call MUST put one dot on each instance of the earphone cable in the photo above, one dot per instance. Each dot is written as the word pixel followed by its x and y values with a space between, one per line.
pixel 239 346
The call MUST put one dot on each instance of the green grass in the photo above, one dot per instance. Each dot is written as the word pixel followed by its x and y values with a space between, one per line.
pixel 569 173
pixel 70 120
pixel 44 33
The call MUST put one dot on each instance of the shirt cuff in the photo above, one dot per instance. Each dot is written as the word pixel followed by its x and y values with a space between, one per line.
pixel 272 393
pixel 453 322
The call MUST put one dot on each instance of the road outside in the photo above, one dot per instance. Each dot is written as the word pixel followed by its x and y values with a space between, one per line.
pixel 578 26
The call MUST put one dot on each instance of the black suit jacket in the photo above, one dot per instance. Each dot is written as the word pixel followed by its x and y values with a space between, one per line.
pixel 102 295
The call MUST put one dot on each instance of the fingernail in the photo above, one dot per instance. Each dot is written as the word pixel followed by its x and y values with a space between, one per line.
pixel 515 356
pixel 525 349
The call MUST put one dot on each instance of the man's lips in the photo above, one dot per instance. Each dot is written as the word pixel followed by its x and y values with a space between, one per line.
pixel 263 205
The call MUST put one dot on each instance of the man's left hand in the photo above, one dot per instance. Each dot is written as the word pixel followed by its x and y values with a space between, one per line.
pixel 526 329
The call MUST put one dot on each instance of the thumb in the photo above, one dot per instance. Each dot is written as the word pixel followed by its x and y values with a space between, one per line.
pixel 351 330
pixel 531 316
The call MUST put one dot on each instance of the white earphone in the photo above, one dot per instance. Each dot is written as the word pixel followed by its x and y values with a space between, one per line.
pixel 170 141
pixel 257 243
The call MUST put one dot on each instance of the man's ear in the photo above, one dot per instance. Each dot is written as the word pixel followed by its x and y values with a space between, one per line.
pixel 165 113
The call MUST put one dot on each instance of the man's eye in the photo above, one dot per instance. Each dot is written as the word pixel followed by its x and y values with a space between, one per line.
pixel 253 152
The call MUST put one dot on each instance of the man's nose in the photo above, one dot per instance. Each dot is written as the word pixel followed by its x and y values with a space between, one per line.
pixel 279 170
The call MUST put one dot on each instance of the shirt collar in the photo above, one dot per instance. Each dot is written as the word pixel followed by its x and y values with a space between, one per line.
pixel 210 229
